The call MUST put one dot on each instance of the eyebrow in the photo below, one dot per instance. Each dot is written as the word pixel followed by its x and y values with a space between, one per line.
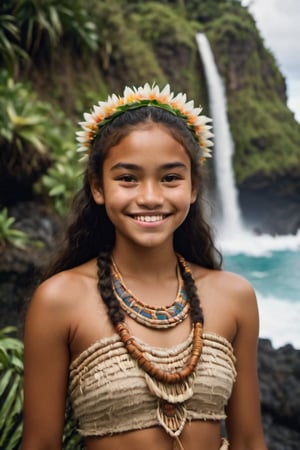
pixel 167 166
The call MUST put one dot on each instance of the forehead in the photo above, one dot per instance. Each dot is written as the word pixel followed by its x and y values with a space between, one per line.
pixel 148 142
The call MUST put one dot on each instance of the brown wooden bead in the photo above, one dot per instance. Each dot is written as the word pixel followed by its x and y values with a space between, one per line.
pixel 169 409
pixel 171 378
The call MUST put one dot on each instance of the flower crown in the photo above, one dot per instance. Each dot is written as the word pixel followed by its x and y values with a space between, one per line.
pixel 146 95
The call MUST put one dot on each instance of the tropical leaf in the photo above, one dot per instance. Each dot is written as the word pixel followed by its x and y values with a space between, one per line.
pixel 45 24
pixel 18 238
pixel 11 390
pixel 11 397
pixel 22 116
pixel 63 179
pixel 11 52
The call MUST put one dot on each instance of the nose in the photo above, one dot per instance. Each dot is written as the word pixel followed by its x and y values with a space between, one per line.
pixel 150 194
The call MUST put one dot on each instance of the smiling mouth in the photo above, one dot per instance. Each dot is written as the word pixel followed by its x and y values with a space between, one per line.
pixel 149 219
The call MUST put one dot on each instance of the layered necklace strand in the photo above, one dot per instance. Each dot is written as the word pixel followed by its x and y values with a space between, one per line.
pixel 144 363
pixel 172 389
pixel 150 316
pixel 136 309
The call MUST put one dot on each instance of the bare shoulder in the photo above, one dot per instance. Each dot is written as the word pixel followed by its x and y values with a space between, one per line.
pixel 56 299
pixel 236 292
pixel 229 283
pixel 63 288
pixel 229 294
pixel 232 283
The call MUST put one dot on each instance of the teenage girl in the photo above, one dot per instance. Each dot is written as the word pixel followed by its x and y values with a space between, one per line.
pixel 136 321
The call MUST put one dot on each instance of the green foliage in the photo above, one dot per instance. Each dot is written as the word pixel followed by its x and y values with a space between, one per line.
pixel 230 31
pixel 30 131
pixel 9 234
pixel 63 179
pixel 44 24
pixel 11 52
pixel 130 42
pixel 39 21
pixel 122 49
pixel 266 137
pixel 171 38
pixel 11 389
pixel 158 22
pixel 36 29
pixel 11 397
pixel 202 11
pixel 79 27
pixel 23 127
pixel 71 439
pixel 267 141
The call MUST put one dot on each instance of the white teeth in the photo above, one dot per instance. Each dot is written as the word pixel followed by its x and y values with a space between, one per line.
pixel 148 218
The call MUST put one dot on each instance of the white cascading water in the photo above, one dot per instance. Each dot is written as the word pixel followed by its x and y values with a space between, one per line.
pixel 234 238
pixel 230 218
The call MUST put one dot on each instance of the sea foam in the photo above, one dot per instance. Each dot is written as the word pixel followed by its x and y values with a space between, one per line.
pixel 251 244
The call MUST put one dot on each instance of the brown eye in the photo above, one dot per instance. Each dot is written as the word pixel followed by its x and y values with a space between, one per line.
pixel 171 177
pixel 127 178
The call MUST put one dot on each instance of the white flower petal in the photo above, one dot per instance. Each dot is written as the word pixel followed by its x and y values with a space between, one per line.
pixel 166 90
pixel 197 111
pixel 115 98
pixel 128 92
pixel 88 117
pixel 189 106
pixel 98 109
pixel 81 149
pixel 104 109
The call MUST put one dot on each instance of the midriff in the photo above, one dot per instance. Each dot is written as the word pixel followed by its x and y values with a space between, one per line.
pixel 196 435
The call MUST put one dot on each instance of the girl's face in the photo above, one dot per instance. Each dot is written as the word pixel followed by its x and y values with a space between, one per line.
pixel 147 188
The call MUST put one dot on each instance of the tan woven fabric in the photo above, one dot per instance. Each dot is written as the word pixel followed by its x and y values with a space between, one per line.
pixel 224 445
pixel 111 394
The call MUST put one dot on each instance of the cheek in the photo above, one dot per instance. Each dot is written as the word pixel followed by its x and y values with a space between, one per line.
pixel 116 200
pixel 186 195
pixel 182 201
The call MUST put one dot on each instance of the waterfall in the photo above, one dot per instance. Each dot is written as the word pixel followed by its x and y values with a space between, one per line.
pixel 230 218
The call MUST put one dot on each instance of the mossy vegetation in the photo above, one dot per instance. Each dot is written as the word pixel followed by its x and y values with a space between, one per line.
pixel 75 53
pixel 265 133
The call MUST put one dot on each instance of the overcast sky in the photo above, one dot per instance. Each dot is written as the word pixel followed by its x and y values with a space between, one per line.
pixel 279 24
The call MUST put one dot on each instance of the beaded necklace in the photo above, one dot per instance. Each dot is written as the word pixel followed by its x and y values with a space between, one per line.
pixel 166 377
pixel 172 389
pixel 151 316
pixel 131 345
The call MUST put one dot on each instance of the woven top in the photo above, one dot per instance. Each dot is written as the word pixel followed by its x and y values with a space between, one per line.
pixel 111 394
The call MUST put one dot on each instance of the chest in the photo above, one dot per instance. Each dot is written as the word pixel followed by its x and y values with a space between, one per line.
pixel 91 322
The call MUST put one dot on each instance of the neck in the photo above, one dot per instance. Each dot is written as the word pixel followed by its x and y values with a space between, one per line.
pixel 153 261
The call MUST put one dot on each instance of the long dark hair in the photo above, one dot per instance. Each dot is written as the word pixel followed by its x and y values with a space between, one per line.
pixel 91 232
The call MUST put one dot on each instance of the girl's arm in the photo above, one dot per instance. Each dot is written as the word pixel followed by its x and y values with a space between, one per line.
pixel 46 360
pixel 244 416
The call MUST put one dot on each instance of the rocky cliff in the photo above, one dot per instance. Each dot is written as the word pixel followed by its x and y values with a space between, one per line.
pixel 155 41
pixel 265 132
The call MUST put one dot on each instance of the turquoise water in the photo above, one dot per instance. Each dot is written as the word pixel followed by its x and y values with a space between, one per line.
pixel 277 274
pixel 272 265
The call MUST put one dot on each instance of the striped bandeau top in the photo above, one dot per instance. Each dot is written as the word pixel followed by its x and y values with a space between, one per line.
pixel 110 394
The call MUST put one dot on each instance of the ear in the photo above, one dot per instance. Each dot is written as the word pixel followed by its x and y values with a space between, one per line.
pixel 96 191
pixel 194 195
